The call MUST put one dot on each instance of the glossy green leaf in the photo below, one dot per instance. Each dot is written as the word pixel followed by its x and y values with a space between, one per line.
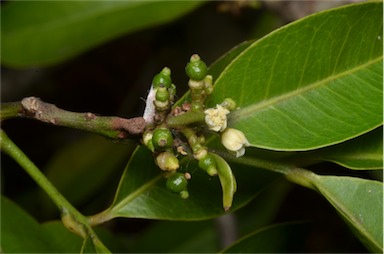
pixel 142 193
pixel 360 202
pixel 62 238
pixel 220 64
pixel 21 233
pixel 43 33
pixel 310 84
pixel 78 174
pixel 17 227
pixel 282 238
pixel 362 153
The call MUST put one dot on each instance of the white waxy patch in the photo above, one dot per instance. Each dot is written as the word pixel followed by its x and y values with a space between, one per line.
pixel 149 111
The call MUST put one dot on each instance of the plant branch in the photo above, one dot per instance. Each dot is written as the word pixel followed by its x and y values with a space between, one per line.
pixel 112 127
pixel 71 217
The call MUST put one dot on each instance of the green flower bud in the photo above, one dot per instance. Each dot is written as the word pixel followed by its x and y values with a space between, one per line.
pixel 208 84
pixel 177 183
pixel 196 69
pixel 162 78
pixel 229 104
pixel 162 94
pixel 208 163
pixel 147 141
pixel 162 139
pixel 167 161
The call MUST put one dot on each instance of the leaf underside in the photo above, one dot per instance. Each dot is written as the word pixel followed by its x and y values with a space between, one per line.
pixel 310 84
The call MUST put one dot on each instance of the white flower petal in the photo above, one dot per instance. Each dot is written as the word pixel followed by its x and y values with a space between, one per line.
pixel 216 118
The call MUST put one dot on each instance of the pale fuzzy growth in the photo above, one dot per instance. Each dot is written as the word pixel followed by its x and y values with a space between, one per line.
pixel 216 118
pixel 150 111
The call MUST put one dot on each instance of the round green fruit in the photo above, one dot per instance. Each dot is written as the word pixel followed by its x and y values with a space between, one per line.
pixel 177 183
pixel 162 139
pixel 162 78
pixel 196 69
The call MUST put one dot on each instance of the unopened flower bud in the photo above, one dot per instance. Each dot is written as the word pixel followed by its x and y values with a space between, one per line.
pixel 208 85
pixel 234 141
pixel 167 161
pixel 162 78
pixel 229 104
pixel 147 141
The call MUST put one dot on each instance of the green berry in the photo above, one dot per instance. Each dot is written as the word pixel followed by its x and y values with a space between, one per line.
pixel 208 163
pixel 196 69
pixel 162 78
pixel 162 139
pixel 177 183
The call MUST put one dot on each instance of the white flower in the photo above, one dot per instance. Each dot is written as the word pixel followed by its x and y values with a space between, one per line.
pixel 216 118
pixel 235 141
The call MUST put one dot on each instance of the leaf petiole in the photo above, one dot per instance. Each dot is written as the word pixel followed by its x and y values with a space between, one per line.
pixel 72 219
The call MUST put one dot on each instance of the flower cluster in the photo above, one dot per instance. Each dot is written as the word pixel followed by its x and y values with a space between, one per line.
pixel 172 133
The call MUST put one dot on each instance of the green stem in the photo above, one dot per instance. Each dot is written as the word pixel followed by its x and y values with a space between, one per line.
pixel 193 141
pixel 293 173
pixel 185 119
pixel 10 110
pixel 72 219
pixel 112 127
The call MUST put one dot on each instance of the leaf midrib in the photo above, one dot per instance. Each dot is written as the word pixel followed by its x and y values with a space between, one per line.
pixel 122 203
pixel 249 110
pixel 347 213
